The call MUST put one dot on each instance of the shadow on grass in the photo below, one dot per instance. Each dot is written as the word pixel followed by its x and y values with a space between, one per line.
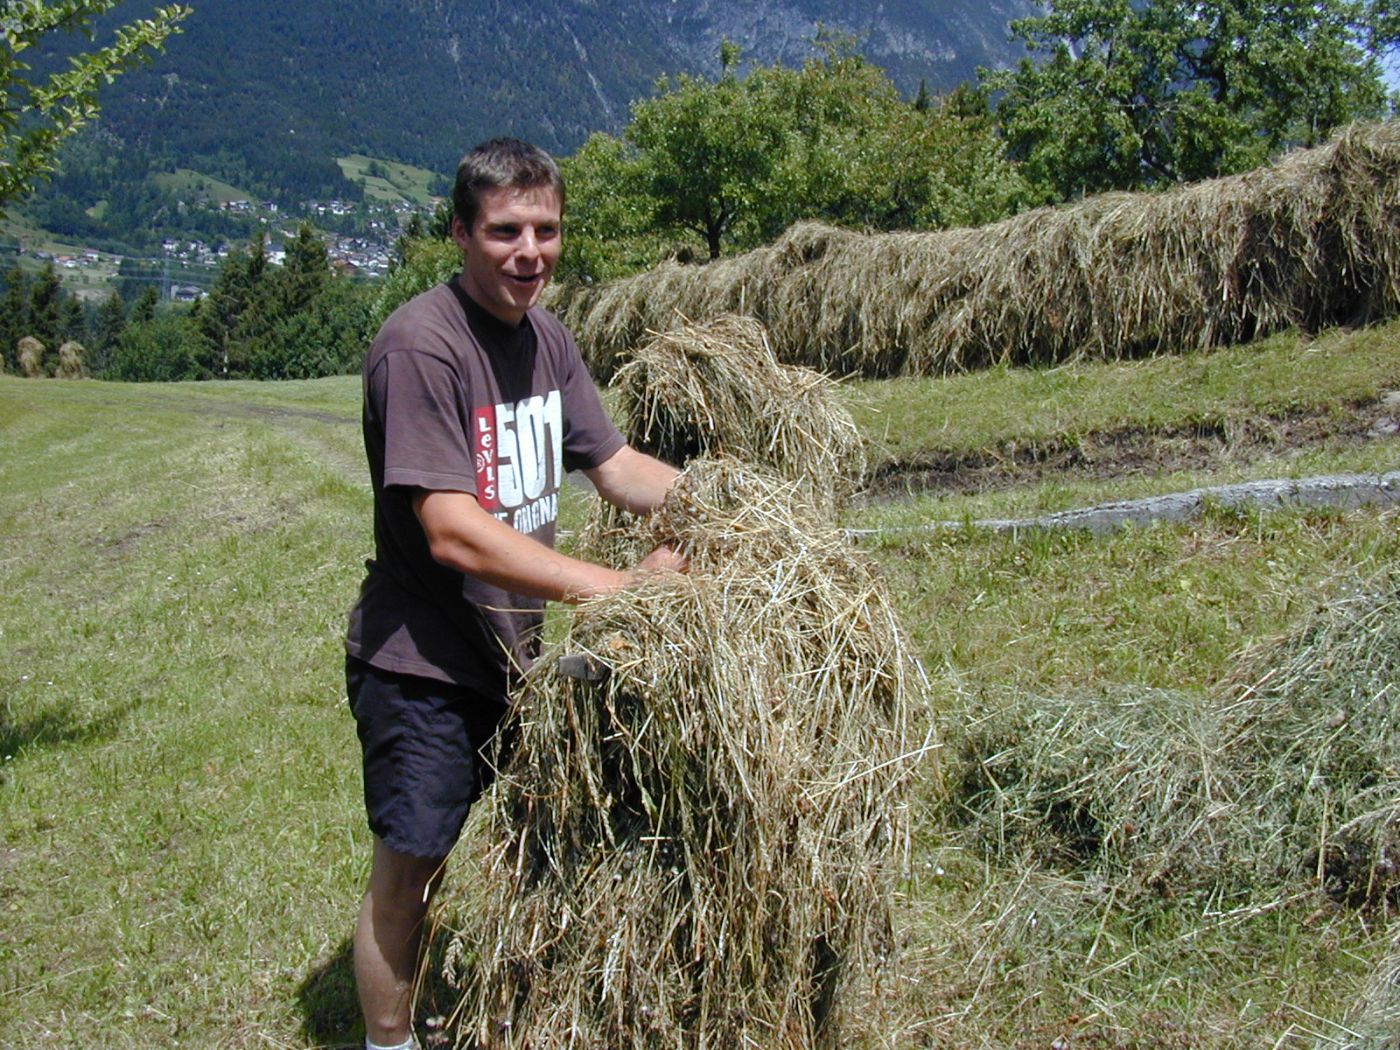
pixel 56 728
pixel 331 1010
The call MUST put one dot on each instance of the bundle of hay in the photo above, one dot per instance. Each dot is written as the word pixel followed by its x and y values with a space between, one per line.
pixel 716 389
pixel 1128 788
pixel 613 319
pixel 1287 777
pixel 1312 240
pixel 72 361
pixel 698 846
pixel 31 357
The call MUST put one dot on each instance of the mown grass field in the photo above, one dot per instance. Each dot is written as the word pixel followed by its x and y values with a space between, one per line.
pixel 181 838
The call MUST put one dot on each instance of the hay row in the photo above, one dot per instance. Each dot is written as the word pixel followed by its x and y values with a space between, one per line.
pixel 698 848
pixel 1308 241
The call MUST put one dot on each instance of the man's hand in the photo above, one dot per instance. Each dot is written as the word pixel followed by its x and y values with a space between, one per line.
pixel 664 559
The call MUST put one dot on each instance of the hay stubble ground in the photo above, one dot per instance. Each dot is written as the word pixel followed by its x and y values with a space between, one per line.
pixel 180 835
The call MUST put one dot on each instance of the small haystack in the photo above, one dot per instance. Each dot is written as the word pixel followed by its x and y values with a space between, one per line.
pixel 72 361
pixel 31 357
pixel 716 389
pixel 1287 778
pixel 1316 720
pixel 698 845
pixel 1312 240
pixel 1126 786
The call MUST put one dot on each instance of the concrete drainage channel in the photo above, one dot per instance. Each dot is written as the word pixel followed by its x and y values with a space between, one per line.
pixel 1333 490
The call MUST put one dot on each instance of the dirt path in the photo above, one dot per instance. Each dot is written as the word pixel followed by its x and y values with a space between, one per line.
pixel 1137 450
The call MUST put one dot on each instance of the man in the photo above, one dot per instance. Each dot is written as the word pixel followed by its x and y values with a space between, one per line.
pixel 476 405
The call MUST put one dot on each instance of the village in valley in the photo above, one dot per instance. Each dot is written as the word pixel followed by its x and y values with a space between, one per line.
pixel 359 239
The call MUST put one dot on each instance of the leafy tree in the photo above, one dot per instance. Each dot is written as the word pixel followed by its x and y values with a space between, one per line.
pixel 611 227
pixel 1122 94
pixel 160 350
pixel 739 160
pixel 37 114
pixel 706 150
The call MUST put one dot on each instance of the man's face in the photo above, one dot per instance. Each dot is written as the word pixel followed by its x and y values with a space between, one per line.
pixel 510 251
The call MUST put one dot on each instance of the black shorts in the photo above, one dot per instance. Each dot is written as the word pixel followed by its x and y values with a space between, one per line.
pixel 427 747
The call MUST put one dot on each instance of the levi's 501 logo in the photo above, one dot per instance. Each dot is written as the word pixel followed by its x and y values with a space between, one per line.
pixel 519 452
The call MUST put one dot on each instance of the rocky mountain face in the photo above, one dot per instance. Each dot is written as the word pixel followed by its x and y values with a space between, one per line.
pixel 276 85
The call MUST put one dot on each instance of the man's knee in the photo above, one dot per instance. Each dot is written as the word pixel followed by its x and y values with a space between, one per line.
pixel 401 881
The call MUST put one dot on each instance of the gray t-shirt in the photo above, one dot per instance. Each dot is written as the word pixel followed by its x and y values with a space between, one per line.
pixel 456 400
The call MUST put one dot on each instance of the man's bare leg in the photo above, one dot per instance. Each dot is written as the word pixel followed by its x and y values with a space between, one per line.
pixel 387 936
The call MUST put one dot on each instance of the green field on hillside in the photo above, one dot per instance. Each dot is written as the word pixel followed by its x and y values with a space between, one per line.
pixel 398 182
pixel 186 182
pixel 182 843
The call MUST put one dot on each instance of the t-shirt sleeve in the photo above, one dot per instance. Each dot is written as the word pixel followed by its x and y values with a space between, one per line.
pixel 590 436
pixel 419 402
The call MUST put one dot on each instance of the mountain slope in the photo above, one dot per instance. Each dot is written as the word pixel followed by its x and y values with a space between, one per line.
pixel 272 88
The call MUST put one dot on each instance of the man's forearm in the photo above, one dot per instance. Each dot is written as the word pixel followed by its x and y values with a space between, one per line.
pixel 464 537
pixel 633 480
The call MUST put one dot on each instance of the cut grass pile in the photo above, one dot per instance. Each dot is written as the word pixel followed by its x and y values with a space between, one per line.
pixel 716 389
pixel 699 849
pixel 1285 779
pixel 1309 241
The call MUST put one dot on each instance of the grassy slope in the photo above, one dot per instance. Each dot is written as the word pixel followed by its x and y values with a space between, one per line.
pixel 182 842
pixel 402 182
pixel 189 181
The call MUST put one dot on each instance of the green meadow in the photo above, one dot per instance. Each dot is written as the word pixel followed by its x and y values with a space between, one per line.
pixel 182 843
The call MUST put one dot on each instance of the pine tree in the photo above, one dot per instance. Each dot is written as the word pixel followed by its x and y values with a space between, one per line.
pixel 144 310
pixel 44 295
pixel 14 315
pixel 108 323
pixel 72 323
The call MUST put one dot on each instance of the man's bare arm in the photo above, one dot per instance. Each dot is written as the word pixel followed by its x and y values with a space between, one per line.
pixel 633 480
pixel 463 536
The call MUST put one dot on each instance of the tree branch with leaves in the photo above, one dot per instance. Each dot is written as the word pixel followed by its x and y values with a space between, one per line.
pixel 37 113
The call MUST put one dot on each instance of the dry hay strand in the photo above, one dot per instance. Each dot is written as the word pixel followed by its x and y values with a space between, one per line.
pixel 72 361
pixel 698 848
pixel 716 389
pixel 1284 778
pixel 31 354
pixel 1310 241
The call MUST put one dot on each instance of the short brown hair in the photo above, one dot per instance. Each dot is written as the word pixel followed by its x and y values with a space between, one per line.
pixel 502 163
